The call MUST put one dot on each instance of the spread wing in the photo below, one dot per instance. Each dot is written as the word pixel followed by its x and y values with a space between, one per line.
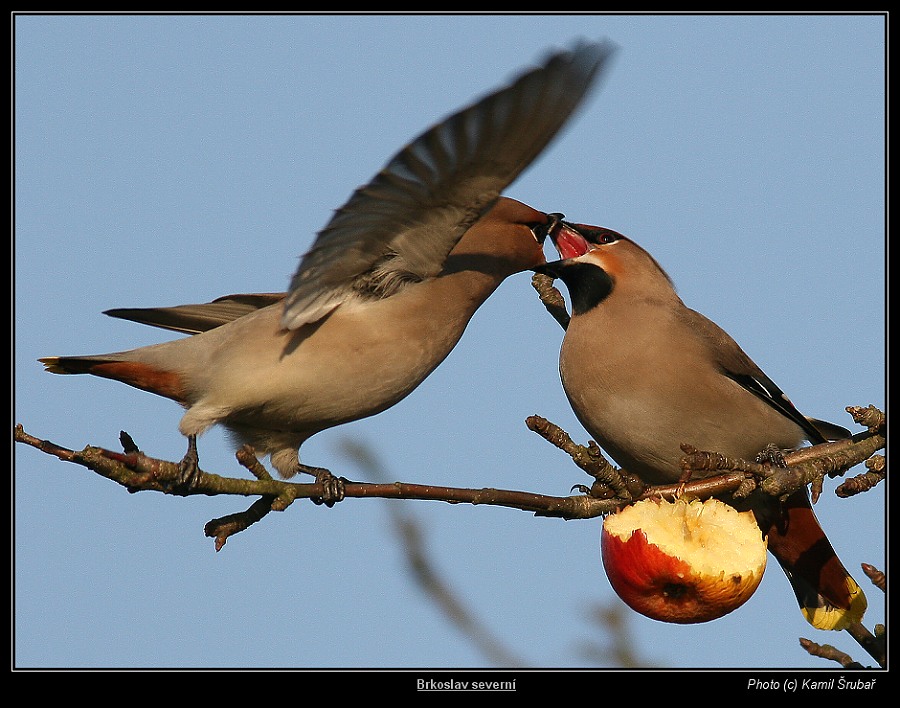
pixel 413 212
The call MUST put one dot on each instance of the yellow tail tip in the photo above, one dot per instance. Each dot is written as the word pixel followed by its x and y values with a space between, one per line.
pixel 836 618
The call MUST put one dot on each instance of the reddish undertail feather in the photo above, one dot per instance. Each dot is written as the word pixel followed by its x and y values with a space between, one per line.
pixel 829 598
pixel 142 376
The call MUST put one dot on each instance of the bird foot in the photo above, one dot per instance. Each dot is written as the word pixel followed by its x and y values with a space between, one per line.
pixel 332 487
pixel 773 455
pixel 188 469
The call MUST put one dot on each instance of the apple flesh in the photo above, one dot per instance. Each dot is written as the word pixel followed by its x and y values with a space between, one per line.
pixel 685 561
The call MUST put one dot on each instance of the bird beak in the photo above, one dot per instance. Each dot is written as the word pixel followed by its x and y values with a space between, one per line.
pixel 552 268
pixel 568 240
pixel 541 231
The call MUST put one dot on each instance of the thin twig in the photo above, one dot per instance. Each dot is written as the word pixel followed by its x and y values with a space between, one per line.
pixel 609 482
pixel 826 651
pixel 138 472
pixel 878 578
pixel 552 298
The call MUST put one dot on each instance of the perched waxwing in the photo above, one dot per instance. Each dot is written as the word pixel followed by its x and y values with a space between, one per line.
pixel 383 295
pixel 644 374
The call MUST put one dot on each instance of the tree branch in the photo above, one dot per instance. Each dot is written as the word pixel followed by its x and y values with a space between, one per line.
pixel 721 474
pixel 611 488
pixel 826 651
pixel 136 471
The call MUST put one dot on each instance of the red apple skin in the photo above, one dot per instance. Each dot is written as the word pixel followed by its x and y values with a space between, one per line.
pixel 665 588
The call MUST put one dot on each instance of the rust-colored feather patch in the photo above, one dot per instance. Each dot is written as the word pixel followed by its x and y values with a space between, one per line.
pixel 143 376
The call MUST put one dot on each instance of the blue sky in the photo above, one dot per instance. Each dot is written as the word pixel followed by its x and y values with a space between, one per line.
pixel 170 159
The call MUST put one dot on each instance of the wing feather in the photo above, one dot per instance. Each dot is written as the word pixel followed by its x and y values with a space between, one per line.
pixel 738 366
pixel 417 208
pixel 193 319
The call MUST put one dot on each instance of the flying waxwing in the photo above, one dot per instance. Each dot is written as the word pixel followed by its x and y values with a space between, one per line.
pixel 644 374
pixel 383 295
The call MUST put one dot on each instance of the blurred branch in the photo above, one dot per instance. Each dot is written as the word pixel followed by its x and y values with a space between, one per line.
pixel 619 650
pixel 428 578
pixel 136 471
pixel 613 619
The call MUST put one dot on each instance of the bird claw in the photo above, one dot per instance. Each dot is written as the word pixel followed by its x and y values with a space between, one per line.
pixel 188 469
pixel 332 487
pixel 773 455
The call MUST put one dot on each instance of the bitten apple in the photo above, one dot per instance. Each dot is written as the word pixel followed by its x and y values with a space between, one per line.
pixel 685 561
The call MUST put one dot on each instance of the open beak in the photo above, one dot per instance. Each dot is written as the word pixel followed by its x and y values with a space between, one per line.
pixel 543 230
pixel 568 240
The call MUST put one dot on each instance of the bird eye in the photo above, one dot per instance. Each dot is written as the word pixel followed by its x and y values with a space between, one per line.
pixel 606 236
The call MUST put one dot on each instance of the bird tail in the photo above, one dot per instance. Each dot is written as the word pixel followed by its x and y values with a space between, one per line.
pixel 828 596
pixel 119 368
